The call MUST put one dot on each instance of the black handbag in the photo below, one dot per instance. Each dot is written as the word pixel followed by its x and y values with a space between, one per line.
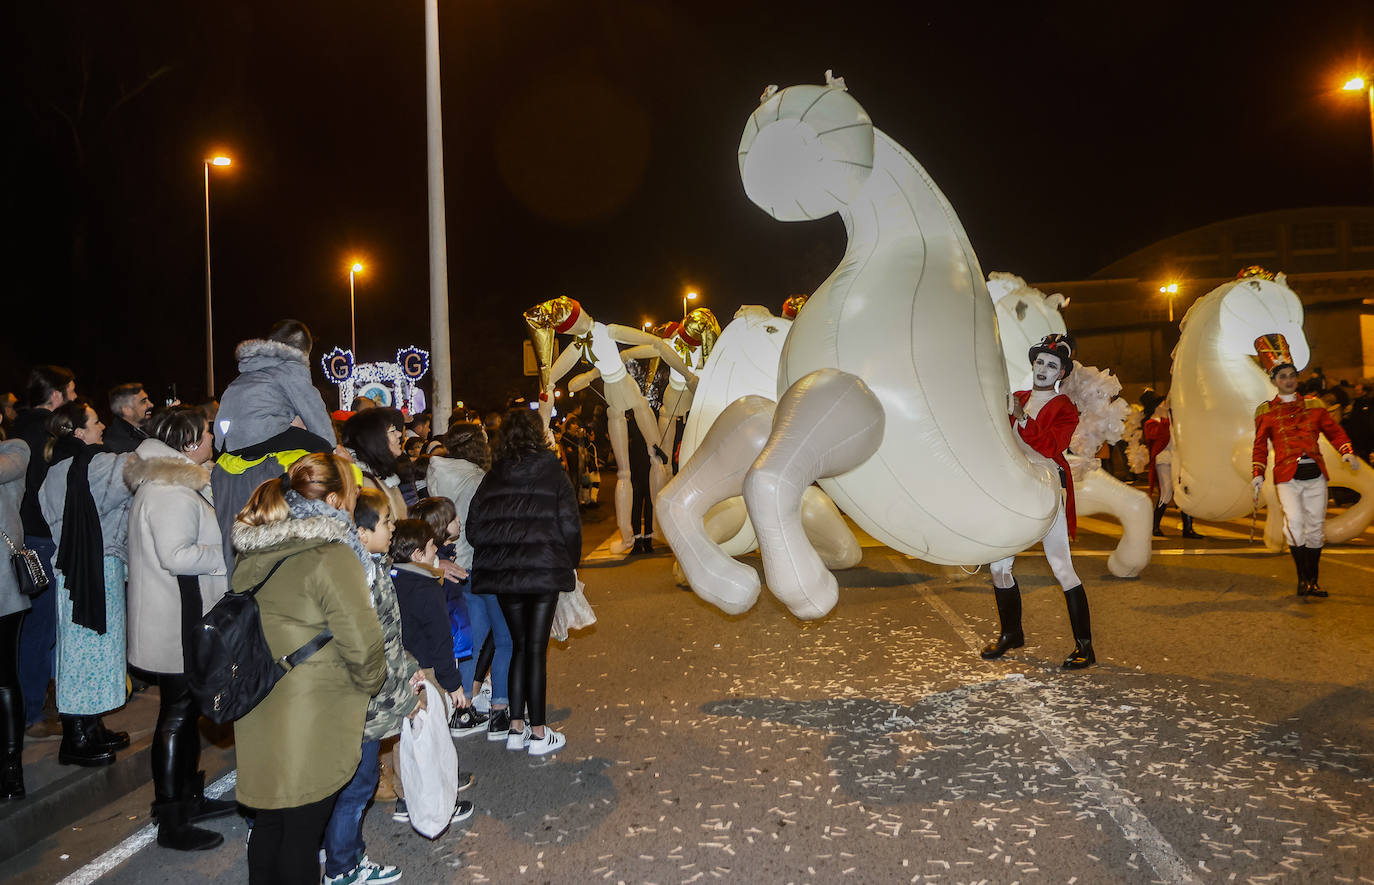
pixel 28 568
pixel 229 667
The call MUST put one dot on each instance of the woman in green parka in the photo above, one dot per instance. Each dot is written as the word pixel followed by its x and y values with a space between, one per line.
pixel 301 745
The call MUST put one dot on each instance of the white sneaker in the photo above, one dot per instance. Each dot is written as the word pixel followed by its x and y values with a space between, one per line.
pixel 518 740
pixel 481 702
pixel 551 742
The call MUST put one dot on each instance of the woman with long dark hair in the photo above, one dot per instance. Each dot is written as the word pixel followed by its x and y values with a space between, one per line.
pixel 374 438
pixel 86 504
pixel 526 535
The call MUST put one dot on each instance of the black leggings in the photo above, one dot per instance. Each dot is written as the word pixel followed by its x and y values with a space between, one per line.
pixel 11 696
pixel 284 848
pixel 641 501
pixel 176 739
pixel 529 618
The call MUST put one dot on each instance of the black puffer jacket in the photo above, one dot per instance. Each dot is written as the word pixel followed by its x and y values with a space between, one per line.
pixel 524 528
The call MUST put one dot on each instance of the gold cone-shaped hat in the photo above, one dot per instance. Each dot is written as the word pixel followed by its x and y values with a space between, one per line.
pixel 545 322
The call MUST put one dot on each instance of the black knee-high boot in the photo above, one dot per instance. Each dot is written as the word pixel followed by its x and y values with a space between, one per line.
pixel 1188 531
pixel 1314 556
pixel 1159 515
pixel 1082 655
pixel 1300 562
pixel 1009 613
pixel 12 727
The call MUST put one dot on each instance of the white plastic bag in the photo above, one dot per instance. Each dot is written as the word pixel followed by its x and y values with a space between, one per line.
pixel 429 765
pixel 573 612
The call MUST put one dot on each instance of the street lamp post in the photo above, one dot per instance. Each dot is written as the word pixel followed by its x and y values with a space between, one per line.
pixel 1170 291
pixel 357 268
pixel 1360 84
pixel 209 312
pixel 690 296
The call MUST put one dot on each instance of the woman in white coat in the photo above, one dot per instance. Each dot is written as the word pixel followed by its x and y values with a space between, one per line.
pixel 176 573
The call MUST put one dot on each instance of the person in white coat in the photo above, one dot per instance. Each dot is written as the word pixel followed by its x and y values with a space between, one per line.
pixel 176 573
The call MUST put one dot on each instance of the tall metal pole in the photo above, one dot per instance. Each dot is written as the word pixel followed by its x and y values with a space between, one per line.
pixel 209 314
pixel 352 320
pixel 1371 113
pixel 439 361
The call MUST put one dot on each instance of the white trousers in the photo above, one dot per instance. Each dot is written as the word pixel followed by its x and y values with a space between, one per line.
pixel 1304 511
pixel 1164 473
pixel 1056 547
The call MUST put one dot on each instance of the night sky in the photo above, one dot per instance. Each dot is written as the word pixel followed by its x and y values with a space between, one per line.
pixel 590 151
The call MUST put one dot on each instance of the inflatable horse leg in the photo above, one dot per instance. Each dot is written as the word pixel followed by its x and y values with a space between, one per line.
pixel 827 423
pixel 715 472
pixel 828 532
pixel 1100 492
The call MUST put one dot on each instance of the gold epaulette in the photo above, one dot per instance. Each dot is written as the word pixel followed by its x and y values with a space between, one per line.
pixel 1311 402
pixel 1261 409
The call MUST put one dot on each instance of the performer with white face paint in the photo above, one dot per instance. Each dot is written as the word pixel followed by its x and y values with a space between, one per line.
pixel 1045 420
pixel 1294 424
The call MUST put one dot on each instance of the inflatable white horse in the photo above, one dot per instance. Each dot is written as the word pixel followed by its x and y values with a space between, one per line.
pixel 1025 315
pixel 892 386
pixel 1216 386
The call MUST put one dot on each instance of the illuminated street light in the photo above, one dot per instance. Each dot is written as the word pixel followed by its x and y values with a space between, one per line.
pixel 1361 84
pixel 219 160
pixel 690 296
pixel 1170 290
pixel 357 268
pixel 648 324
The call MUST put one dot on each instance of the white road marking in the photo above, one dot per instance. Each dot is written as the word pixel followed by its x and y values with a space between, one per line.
pixel 1135 826
pixel 603 551
pixel 106 862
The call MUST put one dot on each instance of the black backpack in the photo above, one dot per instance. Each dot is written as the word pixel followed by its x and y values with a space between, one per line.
pixel 229 666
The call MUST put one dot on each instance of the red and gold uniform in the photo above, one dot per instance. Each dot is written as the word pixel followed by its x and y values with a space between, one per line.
pixel 1049 432
pixel 1294 429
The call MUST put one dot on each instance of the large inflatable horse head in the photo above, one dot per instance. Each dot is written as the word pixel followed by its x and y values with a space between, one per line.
pixel 1025 315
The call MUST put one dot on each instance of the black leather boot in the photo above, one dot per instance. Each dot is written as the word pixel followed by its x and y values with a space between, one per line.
pixel 1159 515
pixel 1082 655
pixel 648 544
pixel 1314 557
pixel 1009 613
pixel 12 729
pixel 1300 562
pixel 174 829
pixel 1188 531
pixel 103 737
pixel 77 747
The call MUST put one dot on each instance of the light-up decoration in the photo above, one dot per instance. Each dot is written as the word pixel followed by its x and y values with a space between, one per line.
pixel 388 384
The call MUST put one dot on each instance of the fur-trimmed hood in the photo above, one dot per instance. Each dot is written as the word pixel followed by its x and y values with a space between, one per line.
pixel 262 348
pixel 321 529
pixel 155 461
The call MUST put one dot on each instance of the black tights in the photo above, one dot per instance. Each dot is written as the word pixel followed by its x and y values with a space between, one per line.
pixel 284 848
pixel 11 696
pixel 529 618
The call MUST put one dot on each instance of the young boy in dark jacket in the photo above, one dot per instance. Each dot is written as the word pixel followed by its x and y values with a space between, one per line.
pixel 424 610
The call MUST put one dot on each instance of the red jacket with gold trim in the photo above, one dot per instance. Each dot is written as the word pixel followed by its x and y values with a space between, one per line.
pixel 1049 433
pixel 1294 429
pixel 1156 431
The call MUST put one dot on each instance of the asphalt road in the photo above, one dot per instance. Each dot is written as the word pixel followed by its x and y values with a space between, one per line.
pixel 1226 735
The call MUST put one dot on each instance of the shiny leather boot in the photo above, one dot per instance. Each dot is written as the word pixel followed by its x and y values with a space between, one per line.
pixel 1082 654
pixel 12 730
pixel 1299 555
pixel 1159 515
pixel 1314 556
pixel 1188 531
pixel 103 737
pixel 1009 613
pixel 77 747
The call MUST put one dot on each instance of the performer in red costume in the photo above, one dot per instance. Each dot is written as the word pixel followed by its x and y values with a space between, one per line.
pixel 1157 431
pixel 1046 420
pixel 1292 423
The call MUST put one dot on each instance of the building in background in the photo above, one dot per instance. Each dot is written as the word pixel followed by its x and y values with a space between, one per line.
pixel 1121 317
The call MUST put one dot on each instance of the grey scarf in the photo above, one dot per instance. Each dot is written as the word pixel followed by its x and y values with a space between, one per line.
pixel 304 508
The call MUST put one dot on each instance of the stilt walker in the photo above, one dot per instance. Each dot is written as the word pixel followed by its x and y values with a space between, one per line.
pixel 1293 424
pixel 1046 420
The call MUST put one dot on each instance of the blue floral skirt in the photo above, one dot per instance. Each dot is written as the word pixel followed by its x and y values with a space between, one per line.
pixel 90 665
